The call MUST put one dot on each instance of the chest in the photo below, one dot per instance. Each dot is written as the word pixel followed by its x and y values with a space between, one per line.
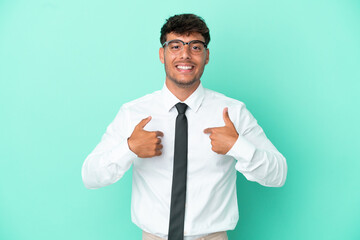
pixel 201 158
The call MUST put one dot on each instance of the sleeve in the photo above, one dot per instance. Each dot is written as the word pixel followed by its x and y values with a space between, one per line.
pixel 112 157
pixel 257 158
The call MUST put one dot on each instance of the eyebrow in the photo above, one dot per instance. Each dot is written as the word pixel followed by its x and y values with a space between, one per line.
pixel 188 41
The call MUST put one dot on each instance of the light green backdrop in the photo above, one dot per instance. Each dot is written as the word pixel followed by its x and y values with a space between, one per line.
pixel 67 66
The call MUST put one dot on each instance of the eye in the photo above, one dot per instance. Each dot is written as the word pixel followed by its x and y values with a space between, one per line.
pixel 176 45
pixel 197 47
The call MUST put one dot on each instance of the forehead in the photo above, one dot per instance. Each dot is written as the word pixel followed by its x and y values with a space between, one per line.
pixel 185 37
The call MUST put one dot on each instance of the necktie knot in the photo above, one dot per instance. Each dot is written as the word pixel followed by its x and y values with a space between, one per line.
pixel 181 107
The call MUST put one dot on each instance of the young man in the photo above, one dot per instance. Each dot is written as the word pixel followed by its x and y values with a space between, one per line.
pixel 185 143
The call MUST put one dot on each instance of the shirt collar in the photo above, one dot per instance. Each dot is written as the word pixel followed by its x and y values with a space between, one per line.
pixel 193 101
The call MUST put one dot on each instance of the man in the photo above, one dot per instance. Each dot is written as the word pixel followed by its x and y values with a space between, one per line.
pixel 185 143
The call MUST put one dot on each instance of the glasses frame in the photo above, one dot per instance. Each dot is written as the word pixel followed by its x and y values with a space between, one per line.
pixel 184 43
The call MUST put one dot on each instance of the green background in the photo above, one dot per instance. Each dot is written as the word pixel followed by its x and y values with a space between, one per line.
pixel 66 67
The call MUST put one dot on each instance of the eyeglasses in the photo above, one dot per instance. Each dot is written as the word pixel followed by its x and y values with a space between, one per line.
pixel 176 46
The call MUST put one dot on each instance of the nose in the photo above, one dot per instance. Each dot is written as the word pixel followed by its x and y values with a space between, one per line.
pixel 185 52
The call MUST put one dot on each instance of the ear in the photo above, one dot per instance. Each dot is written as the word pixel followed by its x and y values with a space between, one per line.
pixel 207 56
pixel 161 55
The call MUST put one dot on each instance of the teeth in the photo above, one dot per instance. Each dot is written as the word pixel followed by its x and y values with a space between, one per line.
pixel 185 67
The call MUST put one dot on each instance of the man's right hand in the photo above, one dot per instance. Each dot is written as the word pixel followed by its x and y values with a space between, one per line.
pixel 143 143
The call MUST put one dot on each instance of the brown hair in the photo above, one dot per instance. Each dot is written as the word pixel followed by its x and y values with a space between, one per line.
pixel 185 24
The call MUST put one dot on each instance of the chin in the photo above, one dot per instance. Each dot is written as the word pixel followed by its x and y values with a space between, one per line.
pixel 185 84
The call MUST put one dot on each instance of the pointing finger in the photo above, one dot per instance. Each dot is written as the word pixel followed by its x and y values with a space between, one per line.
pixel 208 130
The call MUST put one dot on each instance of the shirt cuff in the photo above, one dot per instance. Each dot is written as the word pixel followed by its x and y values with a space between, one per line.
pixel 122 152
pixel 242 150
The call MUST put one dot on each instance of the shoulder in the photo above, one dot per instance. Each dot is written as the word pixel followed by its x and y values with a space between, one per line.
pixel 214 97
pixel 142 102
pixel 238 111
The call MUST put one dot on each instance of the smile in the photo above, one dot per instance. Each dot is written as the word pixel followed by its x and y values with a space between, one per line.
pixel 186 68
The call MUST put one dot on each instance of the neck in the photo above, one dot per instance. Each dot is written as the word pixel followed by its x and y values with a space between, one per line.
pixel 182 93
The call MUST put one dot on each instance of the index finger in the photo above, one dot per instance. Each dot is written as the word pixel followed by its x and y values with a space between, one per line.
pixel 159 133
pixel 208 130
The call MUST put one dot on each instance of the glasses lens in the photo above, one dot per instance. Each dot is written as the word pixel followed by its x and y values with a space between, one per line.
pixel 175 46
pixel 197 46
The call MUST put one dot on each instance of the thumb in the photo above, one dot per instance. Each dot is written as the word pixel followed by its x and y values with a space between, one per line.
pixel 143 122
pixel 226 117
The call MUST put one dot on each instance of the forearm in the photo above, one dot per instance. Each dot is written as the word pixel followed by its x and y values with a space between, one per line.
pixel 257 158
pixel 111 158
pixel 106 165
pixel 267 167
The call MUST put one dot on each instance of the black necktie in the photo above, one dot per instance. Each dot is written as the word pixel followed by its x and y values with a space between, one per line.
pixel 178 193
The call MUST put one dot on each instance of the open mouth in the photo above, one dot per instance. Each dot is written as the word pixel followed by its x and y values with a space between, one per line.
pixel 184 68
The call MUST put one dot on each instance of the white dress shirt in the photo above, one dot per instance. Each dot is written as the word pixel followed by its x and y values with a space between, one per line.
pixel 211 201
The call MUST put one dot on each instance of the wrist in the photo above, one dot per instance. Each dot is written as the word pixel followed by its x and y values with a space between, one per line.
pixel 129 144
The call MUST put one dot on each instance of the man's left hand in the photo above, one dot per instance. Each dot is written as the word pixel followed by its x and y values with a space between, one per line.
pixel 223 138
